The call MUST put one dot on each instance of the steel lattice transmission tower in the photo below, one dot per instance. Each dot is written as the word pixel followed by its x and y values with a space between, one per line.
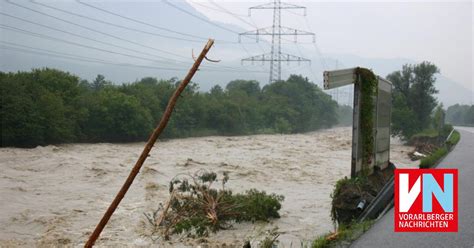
pixel 276 56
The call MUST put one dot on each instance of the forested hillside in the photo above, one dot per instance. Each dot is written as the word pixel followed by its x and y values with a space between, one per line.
pixel 462 115
pixel 47 106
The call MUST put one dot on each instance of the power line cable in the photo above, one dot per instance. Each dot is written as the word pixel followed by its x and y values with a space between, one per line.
pixel 241 19
pixel 218 10
pixel 207 21
pixel 79 58
pixel 103 33
pixel 202 19
pixel 19 30
pixel 294 13
pixel 199 17
pixel 87 38
pixel 309 64
pixel 321 58
pixel 223 10
pixel 232 14
pixel 120 26
pixel 98 31
pixel 135 20
pixel 247 51
pixel 94 30
pixel 69 56
pixel 148 24
pixel 319 54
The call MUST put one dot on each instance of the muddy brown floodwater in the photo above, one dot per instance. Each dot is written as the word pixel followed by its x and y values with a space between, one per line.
pixel 55 195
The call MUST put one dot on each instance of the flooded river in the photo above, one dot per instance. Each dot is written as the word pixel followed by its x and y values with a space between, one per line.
pixel 55 195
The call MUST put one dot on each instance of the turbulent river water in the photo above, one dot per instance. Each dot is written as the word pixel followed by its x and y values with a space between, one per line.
pixel 55 195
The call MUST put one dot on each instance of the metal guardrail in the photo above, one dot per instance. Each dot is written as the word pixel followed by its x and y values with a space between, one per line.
pixel 449 136
pixel 384 199
pixel 380 202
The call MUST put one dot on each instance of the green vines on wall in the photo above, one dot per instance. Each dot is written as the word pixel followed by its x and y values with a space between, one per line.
pixel 368 84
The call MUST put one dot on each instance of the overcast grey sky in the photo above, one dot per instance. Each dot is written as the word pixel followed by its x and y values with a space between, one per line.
pixel 440 32
pixel 380 35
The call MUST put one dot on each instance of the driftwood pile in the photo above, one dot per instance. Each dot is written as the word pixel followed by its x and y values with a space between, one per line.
pixel 200 204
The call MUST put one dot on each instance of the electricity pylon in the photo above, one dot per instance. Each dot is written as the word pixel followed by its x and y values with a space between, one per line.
pixel 276 56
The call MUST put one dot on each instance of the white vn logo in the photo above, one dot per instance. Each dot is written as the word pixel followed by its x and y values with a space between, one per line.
pixel 430 188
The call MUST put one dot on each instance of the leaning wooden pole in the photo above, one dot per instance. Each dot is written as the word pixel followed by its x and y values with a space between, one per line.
pixel 151 141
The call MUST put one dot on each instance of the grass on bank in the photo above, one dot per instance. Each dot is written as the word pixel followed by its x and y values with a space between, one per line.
pixel 431 133
pixel 345 235
pixel 454 139
pixel 347 188
pixel 433 158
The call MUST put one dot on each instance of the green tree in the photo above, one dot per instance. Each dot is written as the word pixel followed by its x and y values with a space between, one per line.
pixel 460 115
pixel 245 96
pixel 413 98
pixel 439 117
pixel 99 83
pixel 47 106
pixel 251 88
pixel 469 116
pixel 300 102
pixel 19 118
pixel 115 116
pixel 39 107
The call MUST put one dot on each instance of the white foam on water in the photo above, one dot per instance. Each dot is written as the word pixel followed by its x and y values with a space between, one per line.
pixel 55 195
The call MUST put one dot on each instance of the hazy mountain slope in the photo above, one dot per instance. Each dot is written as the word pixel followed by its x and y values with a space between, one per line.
pixel 162 14
pixel 450 92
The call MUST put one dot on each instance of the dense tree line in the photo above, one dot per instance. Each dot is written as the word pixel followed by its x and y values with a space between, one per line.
pixel 413 100
pixel 47 106
pixel 462 115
